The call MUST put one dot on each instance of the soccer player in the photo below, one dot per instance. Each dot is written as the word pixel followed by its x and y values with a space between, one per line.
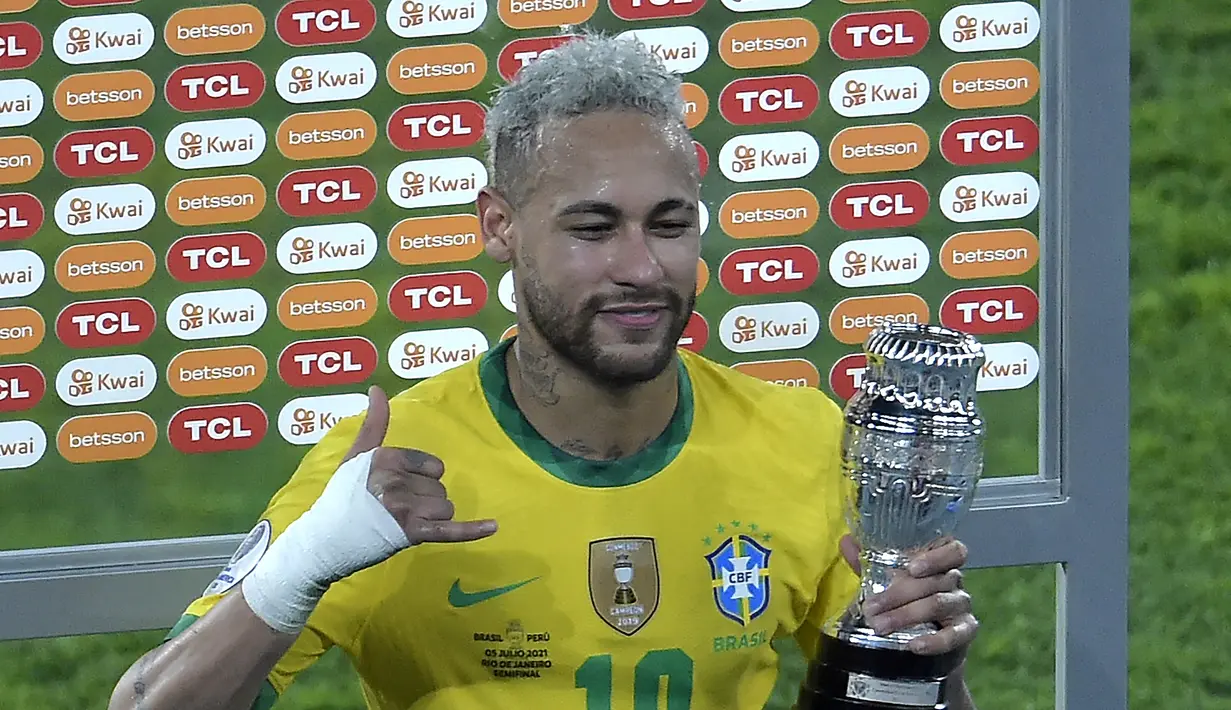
pixel 662 518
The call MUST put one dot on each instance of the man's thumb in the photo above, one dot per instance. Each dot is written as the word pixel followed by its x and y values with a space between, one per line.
pixel 375 424
pixel 850 550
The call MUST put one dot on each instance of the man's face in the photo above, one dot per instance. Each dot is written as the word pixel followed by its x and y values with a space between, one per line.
pixel 606 250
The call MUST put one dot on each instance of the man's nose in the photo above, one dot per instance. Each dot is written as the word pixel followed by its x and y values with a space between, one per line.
pixel 634 260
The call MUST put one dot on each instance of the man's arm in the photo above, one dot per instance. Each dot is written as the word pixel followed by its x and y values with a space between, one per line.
pixel 958 696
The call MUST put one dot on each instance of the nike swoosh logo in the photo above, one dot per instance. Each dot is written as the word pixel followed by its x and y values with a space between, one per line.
pixel 459 599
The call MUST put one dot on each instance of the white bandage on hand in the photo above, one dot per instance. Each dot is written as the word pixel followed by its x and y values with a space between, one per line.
pixel 347 529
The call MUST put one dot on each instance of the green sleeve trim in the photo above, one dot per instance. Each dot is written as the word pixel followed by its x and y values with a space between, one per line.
pixel 268 696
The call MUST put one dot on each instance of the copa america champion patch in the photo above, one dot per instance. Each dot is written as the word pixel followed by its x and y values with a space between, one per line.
pixel 245 559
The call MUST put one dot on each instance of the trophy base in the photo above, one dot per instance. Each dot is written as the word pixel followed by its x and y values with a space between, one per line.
pixel 848 676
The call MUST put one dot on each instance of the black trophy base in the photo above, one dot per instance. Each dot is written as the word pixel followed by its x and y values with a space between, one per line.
pixel 849 677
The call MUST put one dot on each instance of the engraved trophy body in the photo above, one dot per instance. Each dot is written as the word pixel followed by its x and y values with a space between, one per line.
pixel 912 457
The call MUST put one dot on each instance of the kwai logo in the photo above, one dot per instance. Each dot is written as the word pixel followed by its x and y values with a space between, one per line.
pixel 891 204
pixel 769 213
pixel 122 37
pixel 344 133
pixel 303 421
pixel 633 10
pixel 990 310
pixel 763 5
pixel 103 95
pixel 853 319
pixel 439 125
pixel 21 216
pixel 506 292
pixel 989 84
pixel 984 141
pixel 218 143
pixel 328 362
pixel 991 196
pixel 1008 366
pixel 215 87
pixel 988 254
pixel 22 273
pixel 217 29
pixel 756 44
pixel 104 209
pixel 520 52
pixel 217 427
pixel 879 92
pixel 343 76
pixel 327 305
pixel 106 380
pixel 307 23
pixel 682 49
pixel 880 35
pixel 227 313
pixel 427 353
pixel 21 44
pixel 890 148
pixel 197 202
pixel 531 14
pixel 21 159
pixel 216 257
pixel 21 101
pixel 327 191
pixel 769 99
pixel 760 327
pixel 436 69
pixel 105 266
pixel 217 371
pixel 122 436
pixel 990 26
pixel 769 156
pixel 324 248
pixel 879 262
pixel 115 322
pixel 435 240
pixel 435 18
pixel 21 330
pixel 441 296
pixel 105 152
pixel 762 270
pixel 21 387
pixel 436 182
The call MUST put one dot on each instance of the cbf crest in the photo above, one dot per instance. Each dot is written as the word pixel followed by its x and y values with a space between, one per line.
pixel 624 582
pixel 739 573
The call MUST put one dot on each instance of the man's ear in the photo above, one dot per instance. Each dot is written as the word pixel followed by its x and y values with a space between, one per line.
pixel 496 223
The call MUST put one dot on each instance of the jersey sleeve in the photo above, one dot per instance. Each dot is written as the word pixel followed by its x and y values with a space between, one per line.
pixel 331 623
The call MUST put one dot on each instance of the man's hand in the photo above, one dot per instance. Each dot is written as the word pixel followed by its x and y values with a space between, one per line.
pixel 929 591
pixel 407 483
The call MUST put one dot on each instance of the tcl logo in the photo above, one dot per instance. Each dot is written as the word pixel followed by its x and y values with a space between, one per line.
pixel 104 152
pixel 696 333
pixel 306 23
pixel 991 310
pixel 984 141
pixel 326 191
pixel 332 361
pixel 216 257
pixel 846 375
pixel 436 126
pixel 762 270
pixel 21 45
pixel 217 427
pixel 654 9
pixel 103 324
pixel 879 35
pixel 421 297
pixel 21 216
pixel 879 205
pixel 520 52
pixel 213 87
pixel 769 99
pixel 21 387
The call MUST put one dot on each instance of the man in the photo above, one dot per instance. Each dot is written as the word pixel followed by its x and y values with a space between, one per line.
pixel 630 479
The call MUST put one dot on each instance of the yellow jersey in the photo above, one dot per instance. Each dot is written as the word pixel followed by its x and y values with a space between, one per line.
pixel 653 582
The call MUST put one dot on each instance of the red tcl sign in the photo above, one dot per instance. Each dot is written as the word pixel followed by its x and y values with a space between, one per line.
pixel 326 362
pixel 216 257
pixel 879 35
pixel 769 99
pixel 892 204
pixel 104 324
pixel 217 427
pixel 846 375
pixel 990 310
pixel 437 125
pixel 984 141
pixel 306 23
pixel 520 52
pixel 104 152
pixel 327 191
pixel 421 297
pixel 654 9
pixel 21 387
pixel 696 333
pixel 762 270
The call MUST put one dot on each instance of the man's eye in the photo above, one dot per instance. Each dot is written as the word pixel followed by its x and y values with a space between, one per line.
pixel 673 228
pixel 590 231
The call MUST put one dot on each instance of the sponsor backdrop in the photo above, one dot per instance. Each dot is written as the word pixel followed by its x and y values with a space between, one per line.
pixel 219 222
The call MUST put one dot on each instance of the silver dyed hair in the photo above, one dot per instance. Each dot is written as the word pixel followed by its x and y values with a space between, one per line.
pixel 592 73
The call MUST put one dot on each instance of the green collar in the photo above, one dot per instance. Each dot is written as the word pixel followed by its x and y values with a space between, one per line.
pixel 573 469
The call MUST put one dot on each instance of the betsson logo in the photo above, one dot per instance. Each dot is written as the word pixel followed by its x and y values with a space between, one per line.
pixel 343 76
pixel 769 326
pixel 21 44
pixel 769 43
pixel 197 202
pixel 122 436
pixel 106 380
pixel 324 248
pixel 303 421
pixel 104 209
pixel 769 156
pixel 217 143
pixel 988 254
pixel 435 18
pixel 682 49
pixel 227 313
pixel 121 37
pixel 436 182
pixel 532 14
pixel 769 213
pixel 427 353
pixel 879 262
pixel 990 196
pixel 984 141
pixel 327 305
pixel 879 35
pixel 21 274
pixel 989 84
pixel 990 26
pixel 307 23
pixel 436 69
pixel 105 152
pixel 435 240
pixel 214 428
pixel 343 133
pixel 217 371
pixel 216 257
pixel 105 266
pixel 216 29
pixel 895 147
pixel 21 216
pixel 328 362
pixel 853 319
pixel 789 372
pixel 21 159
pixel 879 92
pixel 21 330
pixel 21 388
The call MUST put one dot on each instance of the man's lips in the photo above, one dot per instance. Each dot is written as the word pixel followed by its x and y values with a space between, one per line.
pixel 644 315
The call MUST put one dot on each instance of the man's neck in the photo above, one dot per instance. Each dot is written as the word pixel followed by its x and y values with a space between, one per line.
pixel 582 417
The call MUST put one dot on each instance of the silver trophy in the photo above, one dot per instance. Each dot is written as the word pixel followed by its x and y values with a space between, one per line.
pixel 912 457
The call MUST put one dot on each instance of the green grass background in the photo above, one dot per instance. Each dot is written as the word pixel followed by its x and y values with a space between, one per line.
pixel 1181 326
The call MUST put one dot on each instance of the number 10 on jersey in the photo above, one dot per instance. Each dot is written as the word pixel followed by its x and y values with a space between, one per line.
pixel 671 664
